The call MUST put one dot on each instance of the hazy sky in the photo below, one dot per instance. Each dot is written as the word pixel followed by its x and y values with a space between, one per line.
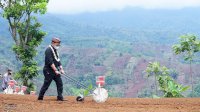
pixel 80 6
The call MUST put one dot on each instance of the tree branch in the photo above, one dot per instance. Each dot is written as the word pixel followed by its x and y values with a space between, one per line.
pixel 27 29
pixel 13 31
pixel 27 26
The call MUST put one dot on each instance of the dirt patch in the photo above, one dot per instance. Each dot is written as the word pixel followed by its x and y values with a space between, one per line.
pixel 26 103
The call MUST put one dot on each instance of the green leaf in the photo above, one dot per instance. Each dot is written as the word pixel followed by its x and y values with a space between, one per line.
pixel 184 89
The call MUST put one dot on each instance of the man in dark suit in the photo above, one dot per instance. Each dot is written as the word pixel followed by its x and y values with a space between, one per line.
pixel 52 69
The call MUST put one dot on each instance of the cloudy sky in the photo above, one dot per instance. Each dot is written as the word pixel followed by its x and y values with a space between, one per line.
pixel 81 6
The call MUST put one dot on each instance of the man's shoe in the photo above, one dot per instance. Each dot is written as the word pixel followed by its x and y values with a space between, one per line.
pixel 40 98
pixel 60 100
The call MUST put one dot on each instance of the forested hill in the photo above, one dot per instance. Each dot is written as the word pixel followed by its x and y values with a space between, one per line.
pixel 118 44
pixel 184 20
pixel 127 24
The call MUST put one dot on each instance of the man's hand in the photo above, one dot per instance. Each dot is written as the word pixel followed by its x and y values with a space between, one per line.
pixel 57 72
pixel 62 71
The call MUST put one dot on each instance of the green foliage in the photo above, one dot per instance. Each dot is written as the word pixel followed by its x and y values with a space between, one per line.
pixel 16 8
pixel 156 70
pixel 153 69
pixel 166 83
pixel 87 91
pixel 189 45
pixel 31 87
pixel 25 32
pixel 26 53
pixel 84 92
pixel 170 87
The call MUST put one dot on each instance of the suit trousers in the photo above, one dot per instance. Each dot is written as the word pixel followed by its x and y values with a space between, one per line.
pixel 49 76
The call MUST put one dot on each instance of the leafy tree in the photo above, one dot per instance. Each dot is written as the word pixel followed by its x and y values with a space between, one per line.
pixel 188 45
pixel 166 83
pixel 156 70
pixel 26 33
